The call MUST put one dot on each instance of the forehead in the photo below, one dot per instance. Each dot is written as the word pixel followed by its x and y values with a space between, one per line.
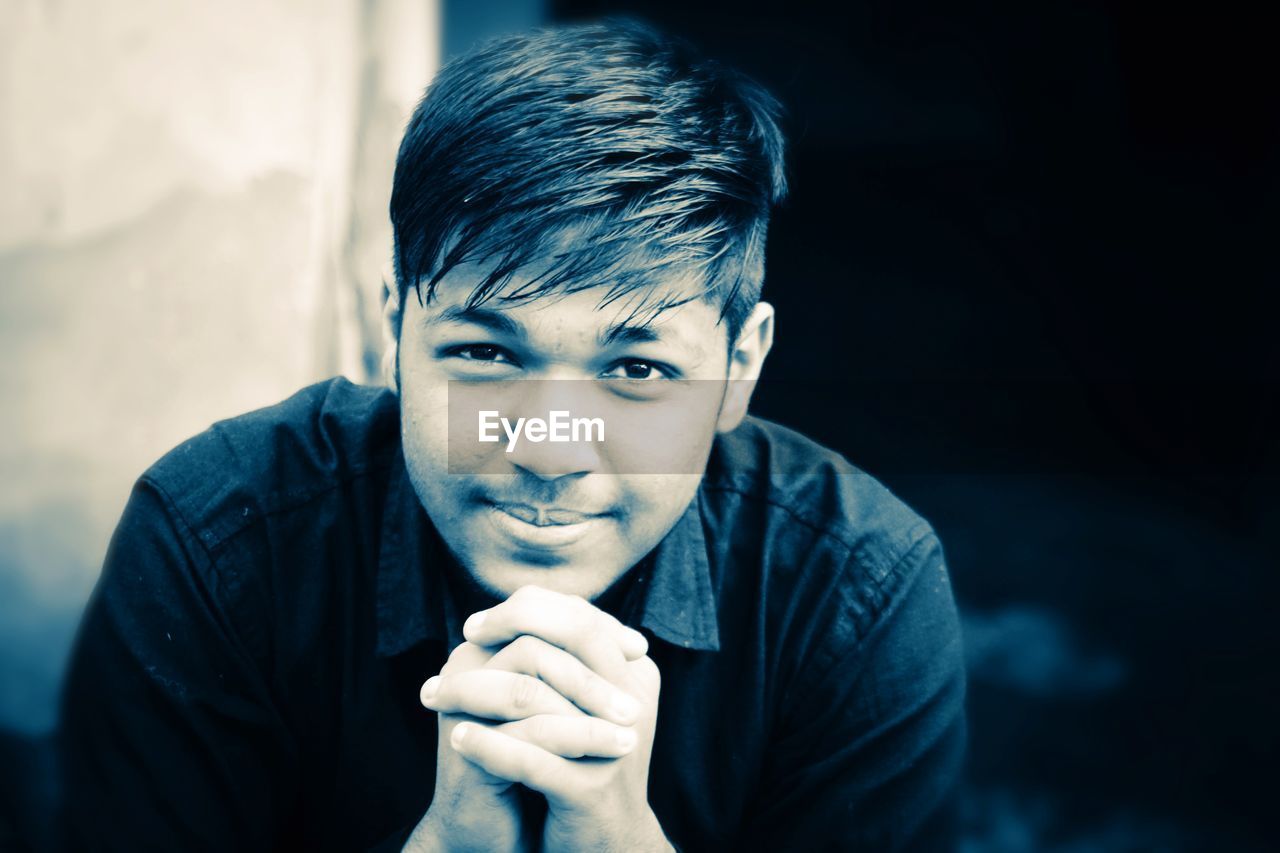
pixel 671 303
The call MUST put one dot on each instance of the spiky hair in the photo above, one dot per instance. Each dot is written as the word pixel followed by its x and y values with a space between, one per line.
pixel 653 159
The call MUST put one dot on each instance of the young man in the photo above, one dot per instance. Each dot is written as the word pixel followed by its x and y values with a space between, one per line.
pixel 351 621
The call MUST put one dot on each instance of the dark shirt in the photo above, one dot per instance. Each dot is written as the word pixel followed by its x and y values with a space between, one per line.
pixel 247 674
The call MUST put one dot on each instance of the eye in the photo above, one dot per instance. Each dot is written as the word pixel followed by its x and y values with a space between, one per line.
pixel 638 369
pixel 480 352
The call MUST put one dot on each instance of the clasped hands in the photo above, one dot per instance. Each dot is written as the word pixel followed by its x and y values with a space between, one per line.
pixel 554 694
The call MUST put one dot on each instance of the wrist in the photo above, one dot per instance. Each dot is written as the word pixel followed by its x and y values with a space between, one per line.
pixel 426 837
pixel 459 834
pixel 652 837
pixel 622 830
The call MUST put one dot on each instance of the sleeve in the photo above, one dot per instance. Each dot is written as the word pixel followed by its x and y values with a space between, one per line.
pixel 867 751
pixel 169 739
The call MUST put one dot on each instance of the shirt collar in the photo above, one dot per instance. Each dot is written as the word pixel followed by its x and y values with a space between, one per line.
pixel 681 604
pixel 415 601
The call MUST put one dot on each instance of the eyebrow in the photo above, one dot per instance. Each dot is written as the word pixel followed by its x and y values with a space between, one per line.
pixel 500 323
pixel 494 321
pixel 622 333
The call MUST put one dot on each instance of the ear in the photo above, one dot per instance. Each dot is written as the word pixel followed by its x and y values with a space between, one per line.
pixel 391 316
pixel 745 362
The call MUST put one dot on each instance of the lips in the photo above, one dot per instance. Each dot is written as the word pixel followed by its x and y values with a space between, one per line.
pixel 544 516
pixel 530 530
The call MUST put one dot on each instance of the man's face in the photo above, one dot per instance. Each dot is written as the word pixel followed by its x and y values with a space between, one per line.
pixel 571 517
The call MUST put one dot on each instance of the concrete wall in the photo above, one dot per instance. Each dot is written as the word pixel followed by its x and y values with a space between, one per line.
pixel 192 224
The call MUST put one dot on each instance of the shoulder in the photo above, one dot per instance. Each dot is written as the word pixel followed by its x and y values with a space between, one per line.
pixel 270 459
pixel 822 492
pixel 849 597
pixel 832 552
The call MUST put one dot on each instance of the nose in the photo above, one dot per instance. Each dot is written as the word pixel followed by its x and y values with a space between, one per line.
pixel 548 461
pixel 550 458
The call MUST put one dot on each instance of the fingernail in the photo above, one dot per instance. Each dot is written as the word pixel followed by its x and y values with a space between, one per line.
pixel 429 688
pixel 626 739
pixel 625 707
pixel 460 732
pixel 473 623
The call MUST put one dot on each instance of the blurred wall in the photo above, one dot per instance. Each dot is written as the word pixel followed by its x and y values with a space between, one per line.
pixel 193 224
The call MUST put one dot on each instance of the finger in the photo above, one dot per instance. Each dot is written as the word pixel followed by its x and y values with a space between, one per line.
pixel 512 759
pixel 572 607
pixel 573 737
pixel 492 694
pixel 645 673
pixel 478 776
pixel 571 623
pixel 466 656
pixel 569 677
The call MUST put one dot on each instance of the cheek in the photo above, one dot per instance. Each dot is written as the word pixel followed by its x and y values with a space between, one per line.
pixel 670 437
pixel 655 503
pixel 443 496
pixel 424 403
pixel 425 435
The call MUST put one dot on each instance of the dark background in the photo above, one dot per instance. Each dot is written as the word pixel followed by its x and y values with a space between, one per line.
pixel 1024 278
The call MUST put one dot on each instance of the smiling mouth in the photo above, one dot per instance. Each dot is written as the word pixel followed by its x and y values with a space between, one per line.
pixel 544 516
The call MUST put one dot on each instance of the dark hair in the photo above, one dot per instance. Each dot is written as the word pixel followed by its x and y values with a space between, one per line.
pixel 654 158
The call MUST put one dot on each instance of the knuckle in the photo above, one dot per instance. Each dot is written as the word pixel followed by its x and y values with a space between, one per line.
pixel 463 656
pixel 601 734
pixel 647 671
pixel 525 647
pixel 598 637
pixel 528 592
pixel 599 632
pixel 524 693
pixel 586 625
pixel 585 609
pixel 592 687
pixel 538 729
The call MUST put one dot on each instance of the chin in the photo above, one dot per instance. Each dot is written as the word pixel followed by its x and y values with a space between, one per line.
pixel 502 577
